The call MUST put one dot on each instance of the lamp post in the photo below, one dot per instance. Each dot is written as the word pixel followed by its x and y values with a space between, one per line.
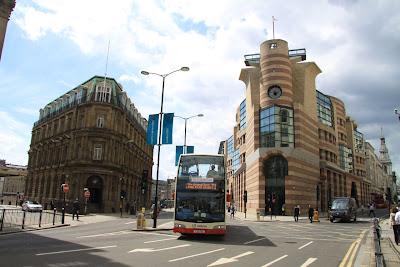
pixel 186 119
pixel 159 135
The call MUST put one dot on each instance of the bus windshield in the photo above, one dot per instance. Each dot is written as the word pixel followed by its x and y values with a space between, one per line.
pixel 200 189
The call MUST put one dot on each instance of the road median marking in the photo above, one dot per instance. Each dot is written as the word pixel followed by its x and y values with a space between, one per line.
pixel 308 262
pixel 276 260
pixel 160 240
pixel 107 234
pixel 155 250
pixel 252 241
pixel 303 246
pixel 195 255
pixel 74 250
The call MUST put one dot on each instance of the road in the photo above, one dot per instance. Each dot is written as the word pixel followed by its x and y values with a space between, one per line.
pixel 113 243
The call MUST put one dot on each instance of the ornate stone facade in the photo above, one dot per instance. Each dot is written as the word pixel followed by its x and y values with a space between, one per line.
pixel 292 144
pixel 6 7
pixel 91 137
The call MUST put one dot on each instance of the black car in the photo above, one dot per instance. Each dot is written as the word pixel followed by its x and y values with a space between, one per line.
pixel 343 208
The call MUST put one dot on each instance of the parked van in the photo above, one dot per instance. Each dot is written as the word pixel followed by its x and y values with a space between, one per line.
pixel 343 208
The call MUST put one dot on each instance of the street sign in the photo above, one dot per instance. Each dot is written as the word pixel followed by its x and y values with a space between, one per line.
pixel 87 194
pixel 65 188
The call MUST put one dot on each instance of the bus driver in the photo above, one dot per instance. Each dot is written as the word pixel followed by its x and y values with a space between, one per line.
pixel 212 173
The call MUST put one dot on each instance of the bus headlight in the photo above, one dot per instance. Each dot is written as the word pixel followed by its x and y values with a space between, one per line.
pixel 178 225
pixel 219 227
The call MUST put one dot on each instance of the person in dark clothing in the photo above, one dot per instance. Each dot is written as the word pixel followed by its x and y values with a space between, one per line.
pixel 310 213
pixel 296 213
pixel 76 207
pixel 52 205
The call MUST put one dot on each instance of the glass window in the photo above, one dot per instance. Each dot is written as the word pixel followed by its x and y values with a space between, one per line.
pixel 97 152
pixel 100 122
pixel 103 94
pixel 324 109
pixel 242 108
pixel 276 127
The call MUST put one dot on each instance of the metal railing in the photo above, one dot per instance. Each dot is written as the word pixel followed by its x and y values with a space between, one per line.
pixel 15 219
pixel 379 260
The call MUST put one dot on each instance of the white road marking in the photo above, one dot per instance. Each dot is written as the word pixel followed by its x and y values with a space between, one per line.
pixel 195 255
pixel 160 240
pixel 154 250
pixel 229 260
pixel 305 245
pixel 150 233
pixel 272 262
pixel 129 222
pixel 73 250
pixel 252 241
pixel 308 262
pixel 107 234
pixel 171 223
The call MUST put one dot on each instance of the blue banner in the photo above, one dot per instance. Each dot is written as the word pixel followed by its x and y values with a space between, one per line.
pixel 179 151
pixel 152 129
pixel 168 122
pixel 189 149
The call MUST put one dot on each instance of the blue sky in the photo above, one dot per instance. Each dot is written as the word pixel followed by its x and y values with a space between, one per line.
pixel 53 45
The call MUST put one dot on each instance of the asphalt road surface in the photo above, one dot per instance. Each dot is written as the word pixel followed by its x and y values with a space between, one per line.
pixel 246 243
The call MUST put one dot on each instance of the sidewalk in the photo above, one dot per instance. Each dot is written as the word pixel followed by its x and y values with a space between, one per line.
pixel 391 251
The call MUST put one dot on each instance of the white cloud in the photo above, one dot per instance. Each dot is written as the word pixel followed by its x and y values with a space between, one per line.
pixel 146 35
pixel 14 139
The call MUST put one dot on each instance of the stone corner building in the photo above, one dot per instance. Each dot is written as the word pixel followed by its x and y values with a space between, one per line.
pixel 6 7
pixel 91 137
pixel 293 143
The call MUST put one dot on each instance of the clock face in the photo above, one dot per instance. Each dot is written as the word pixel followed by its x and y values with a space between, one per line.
pixel 274 92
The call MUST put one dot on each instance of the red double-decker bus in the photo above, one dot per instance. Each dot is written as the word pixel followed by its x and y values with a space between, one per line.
pixel 200 195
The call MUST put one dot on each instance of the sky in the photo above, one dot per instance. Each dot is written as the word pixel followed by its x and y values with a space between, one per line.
pixel 51 46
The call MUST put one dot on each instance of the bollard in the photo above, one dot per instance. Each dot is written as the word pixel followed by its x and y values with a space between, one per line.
pixel 40 219
pixel 316 216
pixel 139 221
pixel 54 216
pixel 23 220
pixel 2 220
pixel 63 215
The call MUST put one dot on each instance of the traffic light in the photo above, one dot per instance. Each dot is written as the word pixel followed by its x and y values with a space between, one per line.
pixel 245 196
pixel 144 181
pixel 123 194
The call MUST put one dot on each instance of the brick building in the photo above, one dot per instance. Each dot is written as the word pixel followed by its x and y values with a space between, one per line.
pixel 292 143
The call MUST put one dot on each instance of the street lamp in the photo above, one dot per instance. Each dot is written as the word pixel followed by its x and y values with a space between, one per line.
pixel 186 119
pixel 159 135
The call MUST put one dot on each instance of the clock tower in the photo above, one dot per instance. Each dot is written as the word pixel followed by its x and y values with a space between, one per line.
pixel 276 74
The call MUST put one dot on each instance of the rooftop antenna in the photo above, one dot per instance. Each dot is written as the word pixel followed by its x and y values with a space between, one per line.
pixel 273 27
pixel 105 74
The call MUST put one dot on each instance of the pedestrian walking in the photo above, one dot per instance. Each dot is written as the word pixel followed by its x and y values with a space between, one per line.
pixel 296 213
pixel 395 226
pixel 76 207
pixel 372 209
pixel 52 205
pixel 283 209
pixel 233 212
pixel 310 213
